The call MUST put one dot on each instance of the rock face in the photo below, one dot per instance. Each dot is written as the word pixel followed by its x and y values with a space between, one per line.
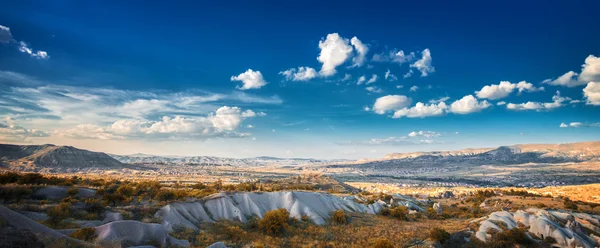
pixel 438 208
pixel 238 206
pixel 132 233
pixel 60 192
pixel 564 226
pixel 51 156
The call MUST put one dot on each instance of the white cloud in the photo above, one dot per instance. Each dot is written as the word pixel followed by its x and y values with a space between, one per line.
pixel 426 134
pixel 335 50
pixel 421 110
pixel 394 56
pixel 390 102
pixel 300 74
pixel 366 108
pixel 222 123
pixel 557 101
pixel 346 77
pixel 249 126
pixel 5 35
pixel 36 54
pixel 591 69
pixel 9 132
pixel 408 74
pixel 568 79
pixel 424 64
pixel 389 76
pixel 441 99
pixel 361 80
pixel 361 50
pixel 399 86
pixel 373 79
pixel 250 80
pixel 579 124
pixel 392 141
pixel 468 104
pixel 502 90
pixel 414 88
pixel 501 103
pixel 374 89
pixel 592 93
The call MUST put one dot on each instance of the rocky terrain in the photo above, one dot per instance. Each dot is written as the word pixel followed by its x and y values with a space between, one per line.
pixel 50 156
pixel 565 228
pixel 239 206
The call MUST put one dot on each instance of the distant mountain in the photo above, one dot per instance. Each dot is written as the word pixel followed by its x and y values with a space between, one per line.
pixel 214 161
pixel 578 151
pixel 24 157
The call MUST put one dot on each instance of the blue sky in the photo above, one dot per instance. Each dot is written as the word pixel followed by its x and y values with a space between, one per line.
pixel 243 79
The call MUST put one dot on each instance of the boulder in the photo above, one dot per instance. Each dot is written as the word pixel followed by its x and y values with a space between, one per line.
pixel 217 245
pixel 438 207
pixel 135 233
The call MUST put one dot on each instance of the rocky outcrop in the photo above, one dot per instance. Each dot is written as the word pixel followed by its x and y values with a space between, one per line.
pixel 564 226
pixel 132 233
pixel 51 156
pixel 239 206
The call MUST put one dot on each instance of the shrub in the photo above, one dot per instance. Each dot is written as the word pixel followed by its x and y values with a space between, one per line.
pixel 399 212
pixel 439 235
pixel 510 238
pixel 57 214
pixel 275 221
pixel 85 233
pixel 72 191
pixel 570 204
pixel 339 217
pixel 166 195
pixel 382 243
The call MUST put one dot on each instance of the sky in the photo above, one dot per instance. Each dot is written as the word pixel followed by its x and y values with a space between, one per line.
pixel 333 79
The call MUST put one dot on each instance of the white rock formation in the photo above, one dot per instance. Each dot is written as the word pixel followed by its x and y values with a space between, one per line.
pixel 438 207
pixel 238 206
pixel 136 233
pixel 565 227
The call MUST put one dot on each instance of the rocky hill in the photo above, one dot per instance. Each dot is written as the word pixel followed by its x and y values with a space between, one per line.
pixel 514 154
pixel 214 161
pixel 22 157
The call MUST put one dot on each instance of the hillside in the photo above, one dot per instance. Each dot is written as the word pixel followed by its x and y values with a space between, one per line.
pixel 50 156
pixel 569 151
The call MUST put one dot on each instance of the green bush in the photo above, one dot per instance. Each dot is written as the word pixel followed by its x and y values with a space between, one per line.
pixel 339 217
pixel 85 233
pixel 275 221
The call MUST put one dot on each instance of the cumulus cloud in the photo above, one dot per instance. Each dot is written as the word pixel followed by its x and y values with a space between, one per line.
pixel 414 88
pixel 300 74
pixel 441 99
pixel 361 50
pixel 590 71
pixel 250 80
pixel 591 92
pixel 424 64
pixel 222 123
pixel 335 50
pixel 374 89
pixel 389 103
pixel 408 74
pixel 5 35
pixel 373 79
pixel 389 76
pixel 421 110
pixel 361 80
pixel 557 101
pixel 9 132
pixel 568 79
pixel 579 124
pixel 502 90
pixel 394 56
pixel 36 54
pixel 468 104
pixel 500 103
pixel 427 134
